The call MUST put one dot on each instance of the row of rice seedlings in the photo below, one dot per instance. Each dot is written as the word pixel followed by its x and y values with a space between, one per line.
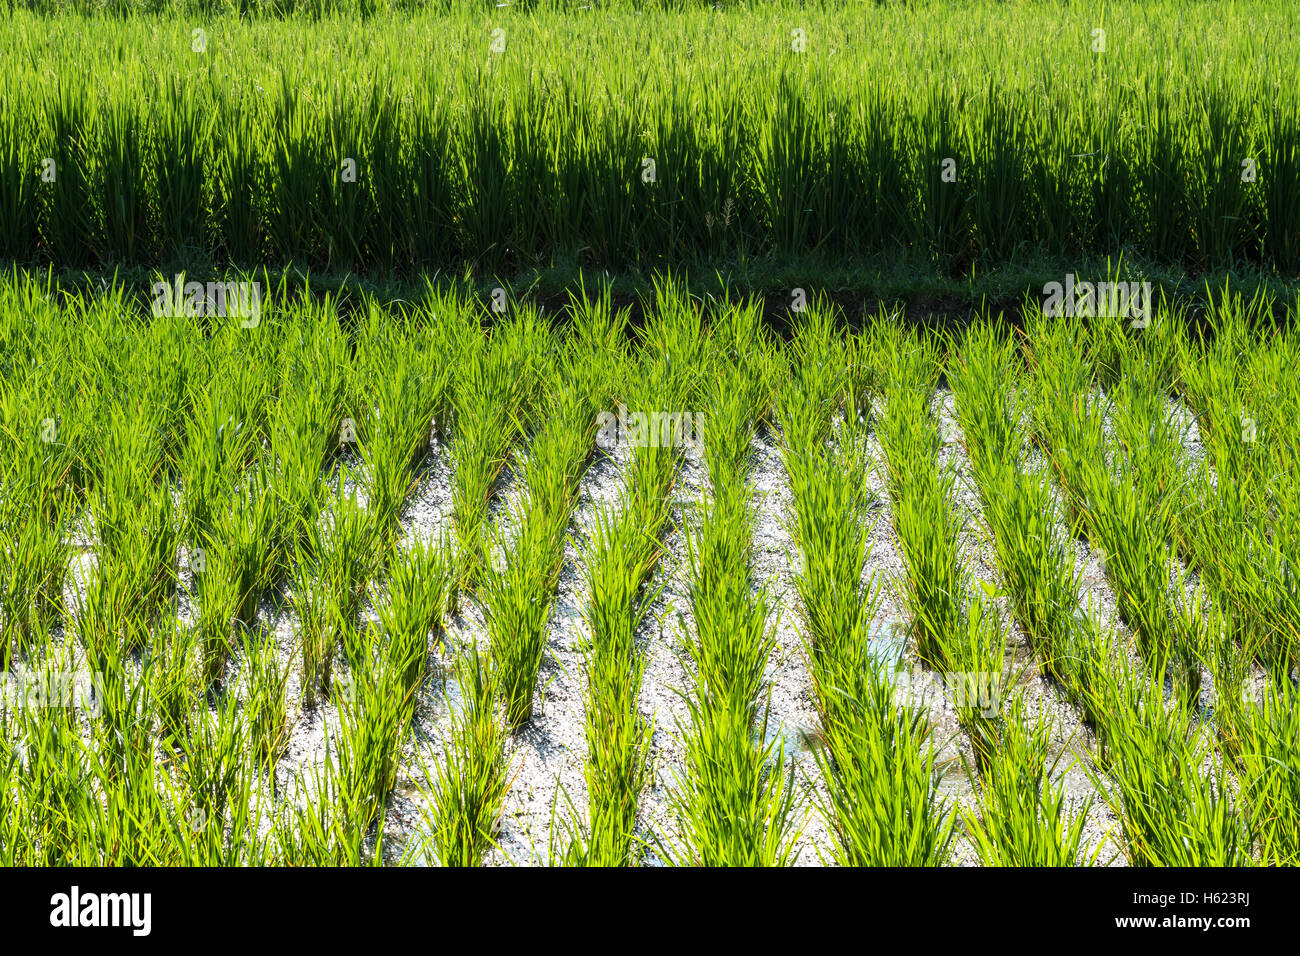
pixel 344 800
pixel 1258 727
pixel 1239 522
pixel 264 702
pixel 35 517
pixel 225 803
pixel 229 401
pixel 306 422
pixel 732 803
pixel 996 405
pixel 232 563
pixel 470 779
pixel 92 792
pixel 1066 420
pixel 1171 786
pixel 138 531
pixel 925 520
pixel 1133 530
pixel 333 566
pixel 1023 817
pixel 323 542
pixel 386 675
pixel 1243 546
pixel 208 420
pixel 620 558
pixel 956 631
pixel 34 557
pixel 877 759
pixel 1258 734
pixel 38 465
pixel 494 160
pixel 496 387
pixel 400 379
pixel 519 586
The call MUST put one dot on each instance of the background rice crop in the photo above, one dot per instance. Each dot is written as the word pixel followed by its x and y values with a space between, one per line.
pixel 465 157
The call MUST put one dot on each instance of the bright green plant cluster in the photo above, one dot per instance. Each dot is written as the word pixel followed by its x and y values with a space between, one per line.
pixel 956 630
pixel 518 585
pixel 1023 516
pixel 877 759
pixel 1023 817
pixel 733 801
pixel 1238 521
pixel 625 546
pixel 1122 491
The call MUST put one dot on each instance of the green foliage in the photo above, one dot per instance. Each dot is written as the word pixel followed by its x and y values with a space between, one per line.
pixel 533 155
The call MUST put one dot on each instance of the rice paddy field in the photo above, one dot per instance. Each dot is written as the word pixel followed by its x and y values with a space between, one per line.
pixel 325 542
pixel 383 585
